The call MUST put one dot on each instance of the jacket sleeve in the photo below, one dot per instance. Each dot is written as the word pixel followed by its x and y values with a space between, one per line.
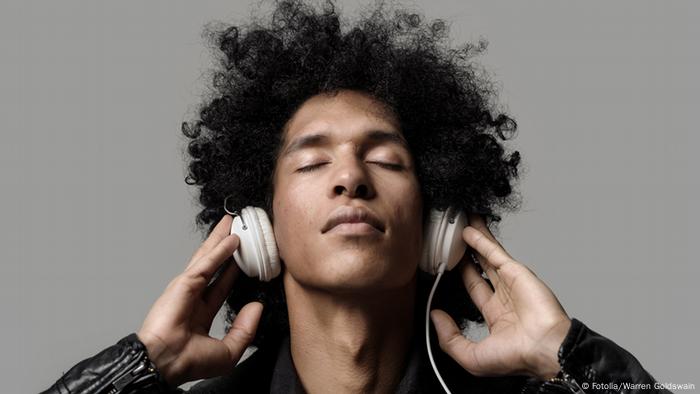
pixel 121 368
pixel 591 363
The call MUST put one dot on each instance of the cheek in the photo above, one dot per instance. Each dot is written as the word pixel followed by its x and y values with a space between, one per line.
pixel 413 228
pixel 294 213
pixel 407 202
pixel 408 211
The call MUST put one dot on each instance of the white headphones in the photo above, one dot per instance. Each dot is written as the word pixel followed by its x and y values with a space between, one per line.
pixel 443 247
pixel 257 253
pixel 258 257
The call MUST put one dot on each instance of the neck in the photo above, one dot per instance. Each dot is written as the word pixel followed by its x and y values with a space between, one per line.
pixel 343 343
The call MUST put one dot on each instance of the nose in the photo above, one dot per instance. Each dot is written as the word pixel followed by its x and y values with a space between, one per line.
pixel 351 178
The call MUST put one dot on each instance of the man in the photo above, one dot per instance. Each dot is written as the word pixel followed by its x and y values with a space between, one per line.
pixel 309 123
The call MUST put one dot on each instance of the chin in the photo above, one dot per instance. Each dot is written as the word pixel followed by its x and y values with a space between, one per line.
pixel 353 272
pixel 353 268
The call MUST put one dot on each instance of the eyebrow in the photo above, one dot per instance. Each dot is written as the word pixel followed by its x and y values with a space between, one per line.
pixel 318 139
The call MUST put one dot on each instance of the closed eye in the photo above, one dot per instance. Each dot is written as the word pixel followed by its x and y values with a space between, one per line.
pixel 310 167
pixel 389 166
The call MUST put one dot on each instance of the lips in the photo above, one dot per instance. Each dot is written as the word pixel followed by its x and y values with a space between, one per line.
pixel 348 214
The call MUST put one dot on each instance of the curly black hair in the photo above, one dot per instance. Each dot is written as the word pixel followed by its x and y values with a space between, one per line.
pixel 444 101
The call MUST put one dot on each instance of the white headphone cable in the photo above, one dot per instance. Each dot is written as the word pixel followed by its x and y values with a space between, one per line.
pixel 441 270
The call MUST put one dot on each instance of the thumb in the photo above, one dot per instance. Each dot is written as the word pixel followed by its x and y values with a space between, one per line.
pixel 452 342
pixel 447 331
pixel 243 330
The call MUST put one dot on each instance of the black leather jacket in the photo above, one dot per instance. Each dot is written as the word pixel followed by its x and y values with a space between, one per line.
pixel 590 363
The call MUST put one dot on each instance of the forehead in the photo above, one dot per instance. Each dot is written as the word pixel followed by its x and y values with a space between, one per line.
pixel 344 115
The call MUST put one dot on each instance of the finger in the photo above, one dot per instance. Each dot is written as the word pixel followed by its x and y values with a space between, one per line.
pixel 479 291
pixel 491 251
pixel 243 330
pixel 488 271
pixel 221 231
pixel 477 221
pixel 205 267
pixel 220 289
pixel 452 342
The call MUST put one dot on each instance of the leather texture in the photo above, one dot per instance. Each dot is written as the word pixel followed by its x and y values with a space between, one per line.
pixel 586 358
pixel 109 369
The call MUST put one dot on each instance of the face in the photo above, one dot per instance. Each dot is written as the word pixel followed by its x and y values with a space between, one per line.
pixel 344 157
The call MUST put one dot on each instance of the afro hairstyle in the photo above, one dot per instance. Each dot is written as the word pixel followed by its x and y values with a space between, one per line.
pixel 445 103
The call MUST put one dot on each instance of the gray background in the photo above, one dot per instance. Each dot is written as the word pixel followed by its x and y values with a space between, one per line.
pixel 96 218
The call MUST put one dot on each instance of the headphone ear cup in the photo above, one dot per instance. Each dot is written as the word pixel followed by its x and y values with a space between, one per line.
pixel 271 268
pixel 443 242
pixel 430 233
pixel 453 244
pixel 257 254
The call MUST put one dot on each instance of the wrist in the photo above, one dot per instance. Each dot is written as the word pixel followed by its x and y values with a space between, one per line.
pixel 545 361
pixel 157 353
pixel 136 371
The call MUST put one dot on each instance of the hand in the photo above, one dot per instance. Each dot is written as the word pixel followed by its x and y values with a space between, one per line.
pixel 176 329
pixel 526 322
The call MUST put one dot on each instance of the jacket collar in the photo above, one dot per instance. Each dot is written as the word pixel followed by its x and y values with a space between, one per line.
pixel 285 379
pixel 271 370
